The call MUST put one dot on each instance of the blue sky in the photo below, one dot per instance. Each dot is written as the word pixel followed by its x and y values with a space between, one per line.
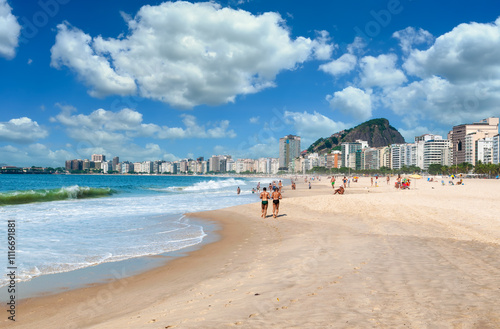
pixel 148 80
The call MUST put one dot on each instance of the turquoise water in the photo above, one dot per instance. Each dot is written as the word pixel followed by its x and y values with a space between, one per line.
pixel 69 222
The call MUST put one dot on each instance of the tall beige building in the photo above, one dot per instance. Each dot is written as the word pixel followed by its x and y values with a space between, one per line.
pixel 98 158
pixel 467 135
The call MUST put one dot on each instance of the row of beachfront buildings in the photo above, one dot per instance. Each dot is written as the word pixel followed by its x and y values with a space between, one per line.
pixel 214 164
pixel 469 143
pixel 465 143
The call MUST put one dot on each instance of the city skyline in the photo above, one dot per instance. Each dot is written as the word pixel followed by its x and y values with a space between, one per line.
pixel 237 77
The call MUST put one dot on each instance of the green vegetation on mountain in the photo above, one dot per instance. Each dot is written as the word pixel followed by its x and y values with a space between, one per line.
pixel 377 132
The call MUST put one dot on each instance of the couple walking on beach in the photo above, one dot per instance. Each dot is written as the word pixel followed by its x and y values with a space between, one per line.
pixel 276 196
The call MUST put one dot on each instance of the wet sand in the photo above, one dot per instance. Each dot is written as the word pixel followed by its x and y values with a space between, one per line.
pixel 375 257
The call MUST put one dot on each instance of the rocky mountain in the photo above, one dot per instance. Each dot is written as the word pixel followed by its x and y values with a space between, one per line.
pixel 377 132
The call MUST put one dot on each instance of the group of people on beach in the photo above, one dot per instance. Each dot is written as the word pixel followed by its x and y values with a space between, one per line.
pixel 341 189
pixel 275 197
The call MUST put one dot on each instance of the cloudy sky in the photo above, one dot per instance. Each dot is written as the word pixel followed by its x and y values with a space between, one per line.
pixel 146 80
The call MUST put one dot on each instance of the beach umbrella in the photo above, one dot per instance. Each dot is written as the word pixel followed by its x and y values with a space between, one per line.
pixel 415 176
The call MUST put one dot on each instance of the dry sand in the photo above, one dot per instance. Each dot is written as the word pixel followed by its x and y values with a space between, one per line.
pixel 375 257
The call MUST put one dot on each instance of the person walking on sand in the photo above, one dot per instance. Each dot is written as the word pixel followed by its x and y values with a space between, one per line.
pixel 372 181
pixel 333 182
pixel 388 180
pixel 265 200
pixel 276 202
pixel 309 184
pixel 280 185
pixel 344 180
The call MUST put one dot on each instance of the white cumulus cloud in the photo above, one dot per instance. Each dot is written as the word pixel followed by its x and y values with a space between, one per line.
pixel 21 130
pixel 9 31
pixel 186 54
pixel 468 52
pixel 352 101
pixel 73 49
pixel 344 64
pixel 312 126
pixel 411 36
pixel 102 126
pixel 455 80
pixel 381 71
pixel 347 62
pixel 193 130
pixel 34 155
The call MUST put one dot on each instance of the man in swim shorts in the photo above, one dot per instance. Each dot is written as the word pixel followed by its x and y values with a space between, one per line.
pixel 265 200
pixel 276 202
pixel 333 182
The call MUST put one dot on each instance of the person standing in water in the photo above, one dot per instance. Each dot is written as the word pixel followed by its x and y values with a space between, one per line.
pixel 264 196
pixel 238 190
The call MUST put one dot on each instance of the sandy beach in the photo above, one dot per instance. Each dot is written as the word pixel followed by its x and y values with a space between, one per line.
pixel 375 257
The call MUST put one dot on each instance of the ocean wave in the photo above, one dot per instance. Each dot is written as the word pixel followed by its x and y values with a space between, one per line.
pixel 211 185
pixel 64 193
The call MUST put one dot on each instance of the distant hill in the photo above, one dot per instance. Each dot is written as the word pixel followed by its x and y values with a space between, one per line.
pixel 377 132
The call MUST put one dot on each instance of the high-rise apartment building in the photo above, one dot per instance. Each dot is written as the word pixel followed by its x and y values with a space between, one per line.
pixel 116 161
pixel 419 147
pixel 289 149
pixel 349 158
pixel 370 159
pixel 484 150
pixel 98 158
pixel 214 165
pixel 484 128
pixel 496 149
pixel 437 151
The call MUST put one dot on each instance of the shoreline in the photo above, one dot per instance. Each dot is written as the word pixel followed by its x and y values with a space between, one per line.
pixel 104 293
pixel 374 257
pixel 54 283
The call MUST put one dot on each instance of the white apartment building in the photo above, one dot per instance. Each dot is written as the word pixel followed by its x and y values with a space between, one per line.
pixel 263 165
pixel 313 161
pixel 397 154
pixel 275 165
pixel 409 155
pixel 127 167
pixel 166 167
pixel 107 166
pixel 147 167
pixel 385 157
pixel 230 165
pixel 244 165
pixel 349 152
pixel 437 152
pixel 484 150
pixel 496 149
pixel 137 167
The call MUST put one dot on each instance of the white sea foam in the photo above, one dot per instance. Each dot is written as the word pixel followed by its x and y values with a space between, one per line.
pixel 62 236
